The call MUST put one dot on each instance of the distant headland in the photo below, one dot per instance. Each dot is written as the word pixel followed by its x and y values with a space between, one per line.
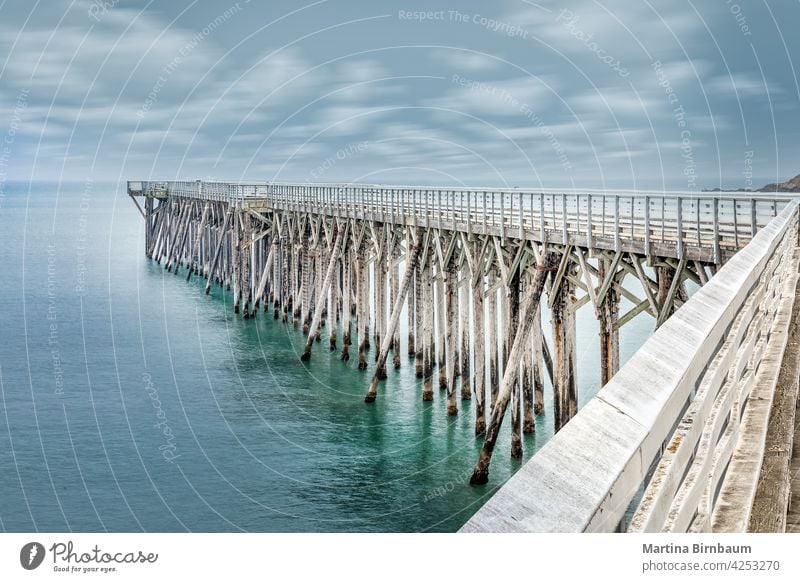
pixel 792 185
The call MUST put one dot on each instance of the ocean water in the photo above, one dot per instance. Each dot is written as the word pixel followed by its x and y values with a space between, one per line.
pixel 130 401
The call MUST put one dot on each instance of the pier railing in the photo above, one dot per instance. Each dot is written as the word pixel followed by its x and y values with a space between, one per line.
pixel 707 226
pixel 657 441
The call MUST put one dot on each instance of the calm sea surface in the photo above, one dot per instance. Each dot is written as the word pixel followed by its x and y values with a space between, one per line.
pixel 130 401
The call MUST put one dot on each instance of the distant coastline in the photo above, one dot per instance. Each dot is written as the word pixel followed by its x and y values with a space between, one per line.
pixel 792 185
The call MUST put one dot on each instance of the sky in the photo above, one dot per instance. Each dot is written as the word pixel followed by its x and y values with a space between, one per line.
pixel 668 95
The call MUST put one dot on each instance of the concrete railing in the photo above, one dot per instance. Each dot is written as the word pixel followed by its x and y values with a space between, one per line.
pixel 673 412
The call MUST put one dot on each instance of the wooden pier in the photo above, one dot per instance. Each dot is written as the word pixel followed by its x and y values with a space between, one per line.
pixel 469 268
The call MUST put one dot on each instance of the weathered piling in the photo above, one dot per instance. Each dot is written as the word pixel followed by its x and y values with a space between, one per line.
pixel 415 339
pixel 363 308
pixel 347 303
pixel 463 331
pixel 339 237
pixel 565 401
pixel 399 297
pixel 333 306
pixel 537 355
pixel 441 331
pixel 491 337
pixel 533 294
pixel 608 317
pixel 428 317
pixel 394 290
pixel 480 356
pixel 512 302
pixel 451 310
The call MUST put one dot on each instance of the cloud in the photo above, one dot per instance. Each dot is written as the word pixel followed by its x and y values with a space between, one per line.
pixel 740 85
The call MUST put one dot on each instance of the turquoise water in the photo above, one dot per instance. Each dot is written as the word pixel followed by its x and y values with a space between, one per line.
pixel 131 401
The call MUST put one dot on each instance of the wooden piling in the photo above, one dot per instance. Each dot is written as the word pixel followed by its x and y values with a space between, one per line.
pixel 491 337
pixel 512 327
pixel 533 294
pixel 608 316
pixel 428 316
pixel 362 320
pixel 415 339
pixel 565 401
pixel 463 331
pixel 321 296
pixel 480 357
pixel 451 310
pixel 399 298
pixel 537 356
pixel 347 278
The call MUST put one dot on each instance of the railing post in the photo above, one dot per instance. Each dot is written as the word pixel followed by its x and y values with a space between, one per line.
pixel 680 229
pixel 633 213
pixel 589 233
pixel 753 222
pixel 647 225
pixel 439 208
pixel 483 196
pixel 716 230
pixel 502 216
pixel 414 205
pixel 469 216
pixel 521 223
pixel 541 217
pixel 564 218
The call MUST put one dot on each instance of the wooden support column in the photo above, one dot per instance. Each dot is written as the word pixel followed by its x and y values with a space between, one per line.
pixel 415 323
pixel 451 310
pixel 262 283
pixel 464 351
pixel 394 288
pixel 380 270
pixel 306 284
pixel 441 333
pixel 180 236
pixel 194 255
pixel 428 316
pixel 286 289
pixel 608 315
pixel 415 340
pixel 512 314
pixel 236 261
pixel 532 296
pixel 362 321
pixel 347 278
pixel 246 267
pixel 333 305
pixel 491 337
pixel 537 354
pixel 526 379
pixel 399 299
pixel 480 357
pixel 565 403
pixel 148 224
pixel 441 329
pixel 312 333
pixel 220 241
pixel 158 229
pixel 277 283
